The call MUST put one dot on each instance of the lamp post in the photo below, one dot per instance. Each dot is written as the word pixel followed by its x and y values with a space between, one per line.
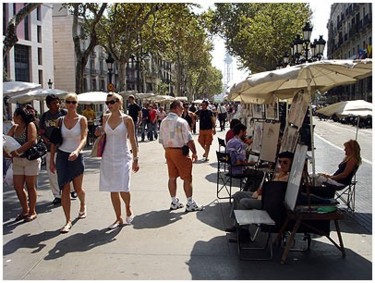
pixel 50 83
pixel 303 50
pixel 110 61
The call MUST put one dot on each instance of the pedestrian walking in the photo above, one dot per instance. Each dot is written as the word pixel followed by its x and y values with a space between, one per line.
pixel 222 115
pixel 207 124
pixel 25 171
pixel 47 122
pixel 69 163
pixel 177 140
pixel 134 111
pixel 118 160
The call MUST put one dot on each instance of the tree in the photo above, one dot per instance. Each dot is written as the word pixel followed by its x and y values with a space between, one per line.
pixel 125 33
pixel 258 34
pixel 11 38
pixel 85 20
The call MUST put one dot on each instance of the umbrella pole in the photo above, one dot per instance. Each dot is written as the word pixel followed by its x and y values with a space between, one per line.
pixel 311 131
pixel 356 132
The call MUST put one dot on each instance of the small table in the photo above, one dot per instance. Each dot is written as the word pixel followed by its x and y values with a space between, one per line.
pixel 300 218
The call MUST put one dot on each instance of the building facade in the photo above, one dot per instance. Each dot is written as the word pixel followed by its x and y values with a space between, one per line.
pixel 350 37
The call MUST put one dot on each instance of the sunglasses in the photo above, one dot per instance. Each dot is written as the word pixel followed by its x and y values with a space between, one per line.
pixel 70 102
pixel 285 162
pixel 111 102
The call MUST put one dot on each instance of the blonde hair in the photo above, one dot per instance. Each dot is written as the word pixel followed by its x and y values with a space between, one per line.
pixel 356 150
pixel 71 95
pixel 119 97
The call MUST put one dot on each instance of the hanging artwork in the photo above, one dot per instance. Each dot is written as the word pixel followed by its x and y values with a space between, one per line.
pixel 257 137
pixel 272 110
pixel 270 140
pixel 289 140
pixel 250 126
pixel 257 110
pixel 298 109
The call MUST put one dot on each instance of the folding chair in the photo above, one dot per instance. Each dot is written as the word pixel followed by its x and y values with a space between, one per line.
pixel 225 176
pixel 222 145
pixel 347 195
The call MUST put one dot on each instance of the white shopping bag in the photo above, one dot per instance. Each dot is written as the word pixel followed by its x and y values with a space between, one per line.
pixel 8 179
pixel 10 144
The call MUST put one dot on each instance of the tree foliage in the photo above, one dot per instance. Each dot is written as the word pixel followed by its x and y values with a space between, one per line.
pixel 85 20
pixel 11 38
pixel 258 34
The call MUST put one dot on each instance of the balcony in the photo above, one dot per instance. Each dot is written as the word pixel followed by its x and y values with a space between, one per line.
pixel 367 21
pixel 94 72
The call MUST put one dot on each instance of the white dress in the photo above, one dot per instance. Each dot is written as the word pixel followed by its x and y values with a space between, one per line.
pixel 116 161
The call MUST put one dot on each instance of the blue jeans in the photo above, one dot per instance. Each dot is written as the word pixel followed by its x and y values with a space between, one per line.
pixel 151 131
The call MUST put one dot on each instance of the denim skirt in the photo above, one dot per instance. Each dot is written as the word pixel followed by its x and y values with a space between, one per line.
pixel 67 170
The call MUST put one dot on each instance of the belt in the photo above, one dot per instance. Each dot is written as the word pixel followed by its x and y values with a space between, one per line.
pixel 173 147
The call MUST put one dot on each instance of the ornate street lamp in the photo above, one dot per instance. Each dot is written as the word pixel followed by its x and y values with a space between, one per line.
pixel 50 83
pixel 110 62
pixel 303 50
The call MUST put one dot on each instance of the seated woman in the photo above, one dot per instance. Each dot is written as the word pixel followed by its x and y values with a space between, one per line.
pixel 346 169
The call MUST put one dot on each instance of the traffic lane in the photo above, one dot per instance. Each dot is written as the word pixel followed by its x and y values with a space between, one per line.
pixel 338 133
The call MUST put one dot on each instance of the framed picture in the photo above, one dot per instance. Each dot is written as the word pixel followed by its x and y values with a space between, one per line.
pixel 257 137
pixel 298 109
pixel 270 140
pixel 257 110
pixel 289 140
pixel 272 110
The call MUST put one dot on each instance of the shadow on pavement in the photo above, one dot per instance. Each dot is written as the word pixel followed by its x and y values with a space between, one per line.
pixel 156 219
pixel 82 242
pixel 209 260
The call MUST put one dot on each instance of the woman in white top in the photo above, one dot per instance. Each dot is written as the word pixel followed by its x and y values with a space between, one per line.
pixel 69 161
pixel 117 160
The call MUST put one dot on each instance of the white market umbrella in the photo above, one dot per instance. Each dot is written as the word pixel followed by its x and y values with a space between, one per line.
pixel 284 83
pixel 162 98
pixel 17 87
pixel 198 101
pixel 357 108
pixel 181 98
pixel 95 97
pixel 37 94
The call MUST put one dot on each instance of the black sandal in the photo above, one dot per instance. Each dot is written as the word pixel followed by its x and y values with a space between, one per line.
pixel 21 217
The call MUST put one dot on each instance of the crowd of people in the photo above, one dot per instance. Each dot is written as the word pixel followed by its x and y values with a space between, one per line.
pixel 65 163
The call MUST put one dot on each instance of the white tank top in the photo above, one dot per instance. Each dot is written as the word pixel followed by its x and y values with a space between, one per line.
pixel 71 137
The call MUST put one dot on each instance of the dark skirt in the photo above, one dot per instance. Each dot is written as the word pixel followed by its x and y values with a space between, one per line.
pixel 68 170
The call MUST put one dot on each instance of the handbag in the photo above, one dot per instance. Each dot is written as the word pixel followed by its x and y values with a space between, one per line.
pixel 56 136
pixel 185 150
pixel 36 151
pixel 98 146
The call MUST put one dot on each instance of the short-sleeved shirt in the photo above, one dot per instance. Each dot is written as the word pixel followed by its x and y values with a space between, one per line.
pixel 174 131
pixel 48 121
pixel 205 119
pixel 237 151
pixel 133 110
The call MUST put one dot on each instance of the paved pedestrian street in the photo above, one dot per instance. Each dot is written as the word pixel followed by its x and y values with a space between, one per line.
pixel 163 244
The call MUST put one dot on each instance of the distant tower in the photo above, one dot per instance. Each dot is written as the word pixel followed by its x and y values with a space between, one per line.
pixel 228 70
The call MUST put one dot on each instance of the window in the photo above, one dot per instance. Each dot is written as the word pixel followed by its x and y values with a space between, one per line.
pixel 26 27
pixel 38 13
pixel 40 57
pixel 94 86
pixel 40 77
pixel 85 84
pixel 39 34
pixel 22 62
pixel 5 18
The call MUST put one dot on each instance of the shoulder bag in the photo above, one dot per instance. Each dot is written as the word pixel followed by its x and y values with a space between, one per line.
pixel 36 151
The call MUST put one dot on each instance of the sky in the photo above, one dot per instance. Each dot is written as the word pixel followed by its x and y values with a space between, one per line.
pixel 321 11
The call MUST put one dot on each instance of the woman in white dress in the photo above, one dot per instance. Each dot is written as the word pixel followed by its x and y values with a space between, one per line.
pixel 118 160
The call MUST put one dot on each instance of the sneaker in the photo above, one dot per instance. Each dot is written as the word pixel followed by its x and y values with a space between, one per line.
pixel 73 195
pixel 56 201
pixel 193 207
pixel 176 205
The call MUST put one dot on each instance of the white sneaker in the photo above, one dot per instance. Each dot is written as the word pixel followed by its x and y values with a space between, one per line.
pixel 193 206
pixel 176 205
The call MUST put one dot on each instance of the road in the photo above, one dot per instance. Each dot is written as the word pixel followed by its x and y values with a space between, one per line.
pixel 329 139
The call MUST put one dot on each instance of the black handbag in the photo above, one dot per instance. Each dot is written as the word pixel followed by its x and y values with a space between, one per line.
pixel 56 136
pixel 36 151
pixel 185 150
